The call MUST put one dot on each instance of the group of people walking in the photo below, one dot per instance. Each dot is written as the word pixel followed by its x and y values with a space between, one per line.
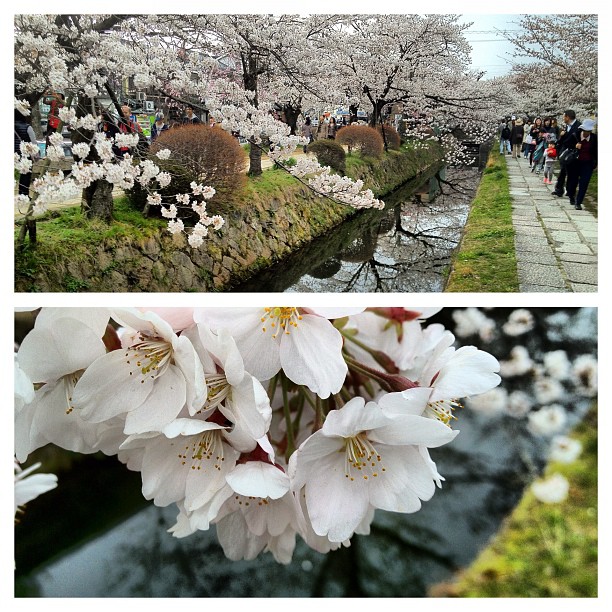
pixel 542 142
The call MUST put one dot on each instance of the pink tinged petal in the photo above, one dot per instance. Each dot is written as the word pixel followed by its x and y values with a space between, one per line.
pixel 335 313
pixel 238 321
pixel 354 417
pixel 96 319
pixel 412 401
pixel 49 353
pixel 237 542
pixel 311 355
pixel 147 322
pixel 258 479
pixel 161 406
pixel 282 546
pixel 190 365
pixel 468 372
pixel 410 429
pixel 106 389
pixel 178 318
pixel 182 528
pixel 336 505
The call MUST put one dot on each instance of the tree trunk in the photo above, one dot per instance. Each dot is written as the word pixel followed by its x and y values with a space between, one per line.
pixel 254 160
pixel 292 113
pixel 97 201
pixel 377 112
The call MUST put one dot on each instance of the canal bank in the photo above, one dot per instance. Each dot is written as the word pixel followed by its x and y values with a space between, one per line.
pixel 277 217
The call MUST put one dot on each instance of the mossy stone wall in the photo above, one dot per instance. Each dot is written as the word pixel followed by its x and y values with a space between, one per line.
pixel 263 231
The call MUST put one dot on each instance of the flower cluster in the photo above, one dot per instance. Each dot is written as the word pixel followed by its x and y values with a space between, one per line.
pixel 267 422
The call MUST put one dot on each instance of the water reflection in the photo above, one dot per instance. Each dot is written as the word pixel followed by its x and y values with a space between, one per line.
pixel 405 248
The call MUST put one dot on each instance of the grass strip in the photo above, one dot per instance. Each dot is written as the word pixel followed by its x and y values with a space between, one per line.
pixel 486 260
pixel 546 550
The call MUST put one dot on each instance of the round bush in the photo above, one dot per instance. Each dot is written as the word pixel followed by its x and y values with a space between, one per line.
pixel 208 156
pixel 364 139
pixel 394 140
pixel 329 153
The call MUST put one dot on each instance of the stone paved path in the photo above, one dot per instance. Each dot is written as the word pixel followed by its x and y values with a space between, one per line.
pixel 556 245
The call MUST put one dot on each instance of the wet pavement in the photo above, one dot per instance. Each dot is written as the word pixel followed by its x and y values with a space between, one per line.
pixel 556 245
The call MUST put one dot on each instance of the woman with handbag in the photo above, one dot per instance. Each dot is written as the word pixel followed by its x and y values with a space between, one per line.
pixel 580 171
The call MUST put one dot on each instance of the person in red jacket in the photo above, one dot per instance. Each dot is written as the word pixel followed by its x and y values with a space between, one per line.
pixel 56 101
pixel 579 173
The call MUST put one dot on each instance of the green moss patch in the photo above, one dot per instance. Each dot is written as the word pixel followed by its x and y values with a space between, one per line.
pixel 485 260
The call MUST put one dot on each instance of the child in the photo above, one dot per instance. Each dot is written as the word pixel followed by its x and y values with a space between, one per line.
pixel 550 155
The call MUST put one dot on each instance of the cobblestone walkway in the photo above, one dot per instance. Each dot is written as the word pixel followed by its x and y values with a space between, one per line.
pixel 556 245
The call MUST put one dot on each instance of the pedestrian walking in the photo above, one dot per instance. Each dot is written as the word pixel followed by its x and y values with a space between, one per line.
pixel 568 138
pixel 56 101
pixel 307 132
pixel 190 118
pixel 331 129
pixel 504 140
pixel 550 156
pixel 158 127
pixel 516 138
pixel 579 173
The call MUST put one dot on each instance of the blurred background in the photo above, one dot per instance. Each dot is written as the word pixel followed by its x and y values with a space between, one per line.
pixel 95 535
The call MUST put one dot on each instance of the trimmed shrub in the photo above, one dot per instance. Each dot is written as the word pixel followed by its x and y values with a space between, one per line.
pixel 364 139
pixel 209 156
pixel 394 140
pixel 329 153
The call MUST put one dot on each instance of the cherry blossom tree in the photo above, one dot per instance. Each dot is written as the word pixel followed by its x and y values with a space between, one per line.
pixel 562 54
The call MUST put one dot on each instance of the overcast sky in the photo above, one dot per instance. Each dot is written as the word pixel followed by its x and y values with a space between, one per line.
pixel 491 52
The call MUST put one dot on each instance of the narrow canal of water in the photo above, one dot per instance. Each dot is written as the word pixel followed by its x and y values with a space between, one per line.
pixel 405 248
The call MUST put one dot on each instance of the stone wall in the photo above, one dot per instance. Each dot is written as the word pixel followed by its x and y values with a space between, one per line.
pixel 266 230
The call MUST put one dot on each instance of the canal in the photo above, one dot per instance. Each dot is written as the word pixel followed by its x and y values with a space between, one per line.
pixel 406 247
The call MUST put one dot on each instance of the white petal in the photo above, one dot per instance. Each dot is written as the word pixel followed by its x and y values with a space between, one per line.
pixel 95 318
pixel 106 389
pixel 336 313
pixel 336 504
pixel 355 416
pixel 161 406
pixel 412 401
pixel 178 318
pixel 468 372
pixel 147 322
pixel 190 365
pixel 311 355
pixel 410 429
pixel 67 346
pixel 258 479
pixel 188 427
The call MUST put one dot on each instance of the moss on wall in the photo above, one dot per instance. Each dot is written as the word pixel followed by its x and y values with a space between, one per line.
pixel 276 216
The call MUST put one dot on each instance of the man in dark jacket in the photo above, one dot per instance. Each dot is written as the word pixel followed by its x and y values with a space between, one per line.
pixel 567 140
pixel 579 173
